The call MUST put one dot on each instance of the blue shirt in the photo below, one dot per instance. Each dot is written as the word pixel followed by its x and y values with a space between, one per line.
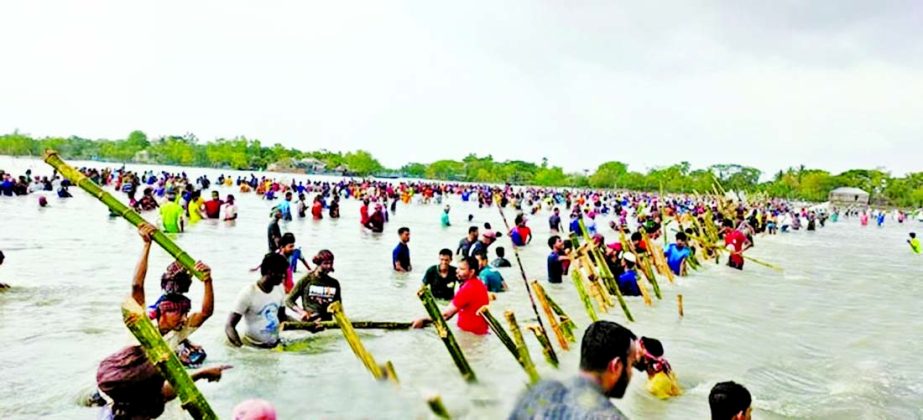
pixel 492 279
pixel 580 398
pixel 628 283
pixel 675 256
pixel 555 268
pixel 445 219
pixel 401 256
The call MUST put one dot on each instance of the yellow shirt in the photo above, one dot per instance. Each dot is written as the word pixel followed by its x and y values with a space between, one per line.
pixel 664 386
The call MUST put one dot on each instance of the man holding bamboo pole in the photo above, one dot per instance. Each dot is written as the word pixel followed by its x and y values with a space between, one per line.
pixel 471 296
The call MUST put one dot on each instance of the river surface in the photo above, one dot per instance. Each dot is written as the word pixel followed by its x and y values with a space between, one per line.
pixel 834 336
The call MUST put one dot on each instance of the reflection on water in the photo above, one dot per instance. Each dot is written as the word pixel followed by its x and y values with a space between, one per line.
pixel 831 337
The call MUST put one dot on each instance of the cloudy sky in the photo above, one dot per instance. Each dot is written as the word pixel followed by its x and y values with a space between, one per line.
pixel 829 84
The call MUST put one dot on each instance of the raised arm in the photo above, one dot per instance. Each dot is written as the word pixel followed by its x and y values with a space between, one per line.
pixel 208 302
pixel 137 283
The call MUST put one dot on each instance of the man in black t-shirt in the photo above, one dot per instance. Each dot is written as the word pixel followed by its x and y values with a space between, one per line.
pixel 441 278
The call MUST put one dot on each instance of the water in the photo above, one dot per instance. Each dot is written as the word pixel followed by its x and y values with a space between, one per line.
pixel 834 336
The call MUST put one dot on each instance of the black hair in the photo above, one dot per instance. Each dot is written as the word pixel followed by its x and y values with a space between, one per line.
pixel 273 263
pixel 518 219
pixel 728 223
pixel 487 225
pixel 287 238
pixel 912 235
pixel 553 240
pixel 727 399
pixel 402 230
pixel 471 261
pixel 472 229
pixel 653 346
pixel 602 342
pixel 680 236
pixel 636 236
pixel 500 251
pixel 445 251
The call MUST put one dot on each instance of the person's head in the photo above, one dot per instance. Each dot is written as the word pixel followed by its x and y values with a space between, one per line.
pixel 913 235
pixel 467 268
pixel 729 400
pixel 487 226
pixel 482 259
pixel 629 260
pixel 555 243
pixel 445 258
pixel 681 239
pixel 607 353
pixel 215 195
pixel 728 224
pixel 557 211
pixel 273 268
pixel 230 199
pixel 324 261
pixel 447 208
pixel 470 217
pixel 501 252
pixel 288 196
pixel 255 409
pixel 636 237
pixel 277 214
pixel 472 233
pixel 519 219
pixel 287 243
pixel 404 234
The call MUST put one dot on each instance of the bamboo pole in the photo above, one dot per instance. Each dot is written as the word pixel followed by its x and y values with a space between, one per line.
pixel 656 254
pixel 442 329
pixel 549 313
pixel 116 206
pixel 607 274
pixel 524 358
pixel 390 373
pixel 584 296
pixel 358 325
pixel 522 271
pixel 498 330
pixel 629 247
pixel 438 408
pixel 679 302
pixel 550 357
pixel 355 343
pixel 567 325
pixel 162 356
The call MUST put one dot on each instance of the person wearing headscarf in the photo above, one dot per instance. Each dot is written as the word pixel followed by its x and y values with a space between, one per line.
pixel 317 290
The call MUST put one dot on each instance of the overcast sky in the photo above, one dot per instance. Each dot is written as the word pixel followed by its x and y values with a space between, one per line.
pixel 829 84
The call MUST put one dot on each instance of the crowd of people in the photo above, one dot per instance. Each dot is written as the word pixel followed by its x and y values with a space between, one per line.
pixel 463 278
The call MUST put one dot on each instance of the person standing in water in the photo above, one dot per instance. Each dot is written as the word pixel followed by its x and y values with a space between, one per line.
pixel 471 296
pixel 317 291
pixel 445 217
pixel 213 206
pixel 735 239
pixel 913 241
pixel 171 214
pixel 441 278
pixel 230 209
pixel 273 233
pixel 400 257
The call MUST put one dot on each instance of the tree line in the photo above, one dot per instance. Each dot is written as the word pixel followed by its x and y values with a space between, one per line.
pixel 241 153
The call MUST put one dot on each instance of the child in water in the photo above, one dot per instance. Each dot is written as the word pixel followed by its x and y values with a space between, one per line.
pixel 662 381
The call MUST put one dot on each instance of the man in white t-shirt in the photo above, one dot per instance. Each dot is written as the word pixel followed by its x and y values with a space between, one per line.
pixel 260 305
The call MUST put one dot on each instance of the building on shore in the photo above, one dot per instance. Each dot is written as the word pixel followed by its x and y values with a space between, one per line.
pixel 848 197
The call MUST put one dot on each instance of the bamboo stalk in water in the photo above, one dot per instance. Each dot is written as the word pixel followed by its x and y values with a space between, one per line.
pixel 549 313
pixel 550 357
pixel 161 355
pixel 116 206
pixel 567 325
pixel 442 329
pixel 628 247
pixel 524 358
pixel 498 330
pixel 584 296
pixel 438 408
pixel 522 271
pixel 355 343
pixel 359 325
pixel 679 302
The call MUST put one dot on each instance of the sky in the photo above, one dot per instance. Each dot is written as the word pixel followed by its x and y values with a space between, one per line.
pixel 771 84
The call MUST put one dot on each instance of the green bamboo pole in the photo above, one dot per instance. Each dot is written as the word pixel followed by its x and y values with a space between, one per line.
pixel 584 296
pixel 442 329
pixel 604 271
pixel 567 325
pixel 438 408
pixel 390 373
pixel 522 271
pixel 640 263
pixel 358 325
pixel 498 330
pixel 355 343
pixel 524 358
pixel 161 355
pixel 549 313
pixel 116 206
pixel 551 358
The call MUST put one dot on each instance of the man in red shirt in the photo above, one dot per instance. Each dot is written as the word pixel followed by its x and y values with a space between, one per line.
pixel 736 239
pixel 213 206
pixel 471 296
